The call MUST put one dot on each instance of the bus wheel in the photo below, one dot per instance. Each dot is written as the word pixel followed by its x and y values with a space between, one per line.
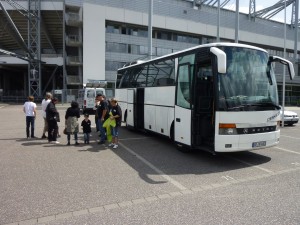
pixel 125 117
pixel 172 134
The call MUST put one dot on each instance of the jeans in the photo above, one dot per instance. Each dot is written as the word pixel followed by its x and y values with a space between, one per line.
pixel 115 131
pixel 86 137
pixel 102 130
pixel 30 122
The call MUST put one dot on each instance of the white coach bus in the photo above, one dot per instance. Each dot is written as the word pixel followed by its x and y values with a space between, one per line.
pixel 219 97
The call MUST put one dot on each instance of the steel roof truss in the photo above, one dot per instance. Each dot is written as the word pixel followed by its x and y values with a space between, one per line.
pixel 14 30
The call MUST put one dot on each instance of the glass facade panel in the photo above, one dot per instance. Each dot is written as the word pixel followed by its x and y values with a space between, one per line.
pixel 116 47
pixel 113 65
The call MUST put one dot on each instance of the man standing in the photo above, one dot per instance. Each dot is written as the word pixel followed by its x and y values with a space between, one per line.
pixel 29 108
pixel 52 116
pixel 102 113
pixel 45 103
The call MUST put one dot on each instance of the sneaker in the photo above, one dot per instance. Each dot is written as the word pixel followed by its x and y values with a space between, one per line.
pixel 116 146
pixel 101 142
pixel 76 143
pixel 111 144
pixel 44 136
pixel 56 142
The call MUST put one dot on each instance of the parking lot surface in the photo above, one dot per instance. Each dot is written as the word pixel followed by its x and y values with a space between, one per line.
pixel 144 181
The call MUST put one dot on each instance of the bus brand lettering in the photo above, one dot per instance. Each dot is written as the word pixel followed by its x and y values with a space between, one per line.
pixel 273 117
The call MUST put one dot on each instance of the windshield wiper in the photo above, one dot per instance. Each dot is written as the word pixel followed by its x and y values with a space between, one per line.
pixel 240 107
pixel 246 106
pixel 267 104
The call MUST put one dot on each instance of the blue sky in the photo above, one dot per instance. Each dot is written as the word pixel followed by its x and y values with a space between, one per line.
pixel 261 4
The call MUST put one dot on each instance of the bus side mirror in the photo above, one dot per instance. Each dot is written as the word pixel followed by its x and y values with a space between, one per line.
pixel 221 57
pixel 284 62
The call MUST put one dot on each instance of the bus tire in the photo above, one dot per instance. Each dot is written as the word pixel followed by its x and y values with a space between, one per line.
pixel 172 134
pixel 125 117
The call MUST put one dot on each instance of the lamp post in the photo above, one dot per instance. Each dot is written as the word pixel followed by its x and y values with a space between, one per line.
pixel 237 23
pixel 150 28
pixel 284 55
pixel 218 27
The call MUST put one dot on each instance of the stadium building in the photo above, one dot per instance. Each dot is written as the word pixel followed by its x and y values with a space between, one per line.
pixel 60 45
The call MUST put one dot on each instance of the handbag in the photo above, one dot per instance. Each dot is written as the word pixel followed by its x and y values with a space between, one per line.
pixel 65 131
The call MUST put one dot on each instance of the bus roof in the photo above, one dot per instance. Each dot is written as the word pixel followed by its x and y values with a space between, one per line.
pixel 193 48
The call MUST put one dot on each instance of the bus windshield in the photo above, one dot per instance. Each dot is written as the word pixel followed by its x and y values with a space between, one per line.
pixel 249 83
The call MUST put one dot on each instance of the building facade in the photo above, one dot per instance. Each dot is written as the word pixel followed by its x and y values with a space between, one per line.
pixel 98 37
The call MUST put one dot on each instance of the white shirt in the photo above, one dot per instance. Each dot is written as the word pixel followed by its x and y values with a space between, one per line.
pixel 44 106
pixel 29 108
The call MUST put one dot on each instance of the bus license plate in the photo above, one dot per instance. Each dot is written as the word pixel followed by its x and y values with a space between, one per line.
pixel 259 144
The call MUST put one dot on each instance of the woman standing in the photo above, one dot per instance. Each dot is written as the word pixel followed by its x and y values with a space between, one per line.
pixel 72 125
pixel 115 114
pixel 52 117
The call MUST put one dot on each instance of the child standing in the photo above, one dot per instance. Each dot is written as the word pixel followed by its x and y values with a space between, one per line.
pixel 86 126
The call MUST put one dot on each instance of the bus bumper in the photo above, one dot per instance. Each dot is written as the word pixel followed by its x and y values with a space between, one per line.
pixel 236 143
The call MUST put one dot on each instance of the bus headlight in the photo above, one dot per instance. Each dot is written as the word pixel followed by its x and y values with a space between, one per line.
pixel 227 129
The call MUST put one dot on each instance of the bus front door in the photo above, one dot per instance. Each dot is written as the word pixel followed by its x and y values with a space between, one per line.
pixel 203 115
pixel 182 127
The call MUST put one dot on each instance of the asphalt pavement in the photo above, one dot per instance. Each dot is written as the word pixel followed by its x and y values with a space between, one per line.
pixel 145 181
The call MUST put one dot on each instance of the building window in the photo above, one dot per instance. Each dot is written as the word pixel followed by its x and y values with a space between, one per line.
pixel 163 51
pixel 143 50
pixel 116 47
pixel 113 65
pixel 112 29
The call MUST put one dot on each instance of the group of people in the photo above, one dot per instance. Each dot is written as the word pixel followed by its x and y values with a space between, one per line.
pixel 108 120
pixel 109 116
pixel 50 116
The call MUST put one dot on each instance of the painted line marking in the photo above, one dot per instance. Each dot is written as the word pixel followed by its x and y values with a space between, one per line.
pixel 289 137
pixel 228 177
pixel 250 164
pixel 286 150
pixel 158 171
pixel 147 199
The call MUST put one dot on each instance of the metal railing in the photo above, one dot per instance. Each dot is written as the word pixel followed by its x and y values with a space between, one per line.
pixel 73 40
pixel 74 60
